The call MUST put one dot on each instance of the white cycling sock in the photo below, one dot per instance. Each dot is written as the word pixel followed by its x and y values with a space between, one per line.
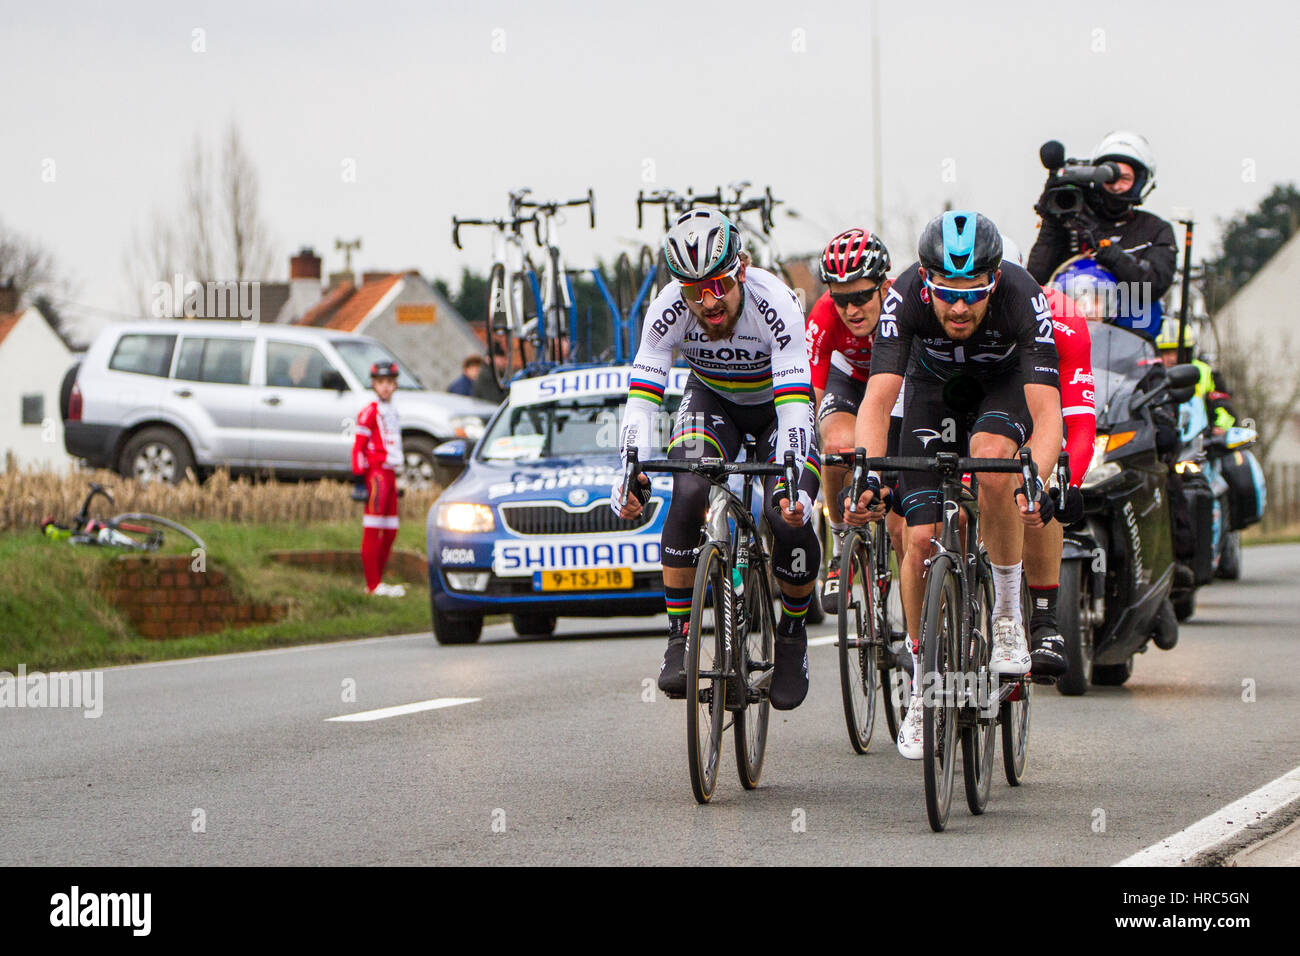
pixel 837 537
pixel 1006 592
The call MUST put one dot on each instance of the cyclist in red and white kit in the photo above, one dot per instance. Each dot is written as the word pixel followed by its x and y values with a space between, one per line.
pixel 841 327
pixel 376 458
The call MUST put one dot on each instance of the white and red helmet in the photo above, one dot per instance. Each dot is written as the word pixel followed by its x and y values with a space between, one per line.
pixel 854 254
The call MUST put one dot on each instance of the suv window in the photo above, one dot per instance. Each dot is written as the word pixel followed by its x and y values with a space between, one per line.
pixel 360 354
pixel 218 360
pixel 295 366
pixel 145 354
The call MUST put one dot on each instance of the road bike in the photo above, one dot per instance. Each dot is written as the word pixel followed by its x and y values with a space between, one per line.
pixel 508 326
pixel 870 635
pixel 130 531
pixel 731 673
pixel 959 692
pixel 557 331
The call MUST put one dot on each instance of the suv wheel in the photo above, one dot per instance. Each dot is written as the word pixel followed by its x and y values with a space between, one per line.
pixel 419 473
pixel 156 454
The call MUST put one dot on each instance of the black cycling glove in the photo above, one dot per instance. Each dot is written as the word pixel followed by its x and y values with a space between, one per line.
pixel 872 484
pixel 359 491
pixel 1046 504
pixel 1069 508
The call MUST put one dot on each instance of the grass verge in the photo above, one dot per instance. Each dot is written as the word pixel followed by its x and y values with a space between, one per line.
pixel 52 615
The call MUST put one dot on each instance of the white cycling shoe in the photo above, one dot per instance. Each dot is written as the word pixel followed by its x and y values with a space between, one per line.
pixel 911 743
pixel 1010 649
pixel 389 590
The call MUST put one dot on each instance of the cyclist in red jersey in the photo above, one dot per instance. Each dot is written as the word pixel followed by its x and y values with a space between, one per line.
pixel 1042 554
pixel 840 328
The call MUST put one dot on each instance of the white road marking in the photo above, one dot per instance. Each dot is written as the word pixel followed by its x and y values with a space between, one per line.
pixel 822 641
pixel 400 709
pixel 1221 825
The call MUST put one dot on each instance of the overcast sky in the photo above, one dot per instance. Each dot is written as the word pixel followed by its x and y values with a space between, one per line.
pixel 444 107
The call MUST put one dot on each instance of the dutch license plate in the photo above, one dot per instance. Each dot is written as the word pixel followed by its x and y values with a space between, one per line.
pixel 591 579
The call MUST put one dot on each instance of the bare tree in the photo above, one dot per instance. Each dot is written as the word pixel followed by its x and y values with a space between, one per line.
pixel 1266 391
pixel 28 265
pixel 217 234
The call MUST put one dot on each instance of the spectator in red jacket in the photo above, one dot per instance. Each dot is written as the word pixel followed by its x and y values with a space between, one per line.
pixel 376 457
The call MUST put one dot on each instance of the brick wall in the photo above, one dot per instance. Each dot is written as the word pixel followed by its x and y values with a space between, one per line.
pixel 162 597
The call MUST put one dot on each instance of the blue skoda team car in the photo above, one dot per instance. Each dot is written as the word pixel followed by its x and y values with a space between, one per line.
pixel 527 529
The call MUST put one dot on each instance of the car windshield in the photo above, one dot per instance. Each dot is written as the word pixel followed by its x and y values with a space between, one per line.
pixel 561 429
pixel 1120 360
pixel 360 354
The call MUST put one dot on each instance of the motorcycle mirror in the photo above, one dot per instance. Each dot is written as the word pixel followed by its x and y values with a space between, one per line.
pixel 1181 375
pixel 1182 393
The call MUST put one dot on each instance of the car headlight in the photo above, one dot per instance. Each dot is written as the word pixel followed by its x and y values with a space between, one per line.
pixel 465 518
pixel 468 426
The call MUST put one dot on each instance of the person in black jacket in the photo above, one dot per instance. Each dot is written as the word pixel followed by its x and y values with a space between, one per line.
pixel 1135 246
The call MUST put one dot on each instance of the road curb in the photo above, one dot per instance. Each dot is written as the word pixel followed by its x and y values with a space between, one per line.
pixel 1255 834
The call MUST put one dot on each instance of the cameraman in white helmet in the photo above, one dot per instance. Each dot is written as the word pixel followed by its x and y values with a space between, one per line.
pixel 1134 245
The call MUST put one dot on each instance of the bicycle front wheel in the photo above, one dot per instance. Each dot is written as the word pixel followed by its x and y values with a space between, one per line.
pixel 857 636
pixel 940 634
pixel 705 664
pixel 978 735
pixel 755 651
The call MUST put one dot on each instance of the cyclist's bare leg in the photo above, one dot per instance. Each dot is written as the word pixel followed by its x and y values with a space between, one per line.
pixel 1043 555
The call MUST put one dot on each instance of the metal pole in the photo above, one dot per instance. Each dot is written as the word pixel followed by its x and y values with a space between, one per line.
pixel 1186 296
pixel 875 116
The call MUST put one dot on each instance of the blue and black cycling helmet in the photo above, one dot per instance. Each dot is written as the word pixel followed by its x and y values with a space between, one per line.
pixel 960 245
pixel 701 244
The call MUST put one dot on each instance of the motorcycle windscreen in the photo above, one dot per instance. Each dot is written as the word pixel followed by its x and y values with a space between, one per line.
pixel 1120 361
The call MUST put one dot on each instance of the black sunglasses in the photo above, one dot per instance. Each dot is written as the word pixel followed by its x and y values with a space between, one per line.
pixel 846 299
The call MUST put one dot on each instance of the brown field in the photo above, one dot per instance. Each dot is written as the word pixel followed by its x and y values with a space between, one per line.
pixel 26 498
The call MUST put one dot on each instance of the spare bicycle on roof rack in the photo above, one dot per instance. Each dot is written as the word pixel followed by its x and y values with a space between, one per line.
pixel 520 292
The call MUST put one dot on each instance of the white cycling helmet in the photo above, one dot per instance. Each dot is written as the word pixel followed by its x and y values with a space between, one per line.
pixel 1132 148
pixel 701 244
pixel 1011 251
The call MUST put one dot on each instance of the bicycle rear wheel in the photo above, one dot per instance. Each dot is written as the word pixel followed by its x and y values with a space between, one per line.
pixel 978 737
pixel 705 661
pixel 941 617
pixel 1014 716
pixel 755 652
pixel 625 283
pixel 857 635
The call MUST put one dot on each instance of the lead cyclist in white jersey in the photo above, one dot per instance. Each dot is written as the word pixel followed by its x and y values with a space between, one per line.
pixel 741 330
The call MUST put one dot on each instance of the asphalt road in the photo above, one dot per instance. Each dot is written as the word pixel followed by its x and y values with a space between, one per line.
pixel 233 760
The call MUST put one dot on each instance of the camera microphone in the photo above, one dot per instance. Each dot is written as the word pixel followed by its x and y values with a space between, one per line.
pixel 1052 154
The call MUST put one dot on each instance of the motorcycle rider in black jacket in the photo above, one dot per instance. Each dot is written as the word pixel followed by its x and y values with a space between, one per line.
pixel 1134 245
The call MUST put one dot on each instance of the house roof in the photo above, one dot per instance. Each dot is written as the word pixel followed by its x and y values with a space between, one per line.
pixel 320 313
pixel 353 312
pixel 7 321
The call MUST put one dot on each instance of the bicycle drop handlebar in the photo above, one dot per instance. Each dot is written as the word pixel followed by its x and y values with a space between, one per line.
pixel 513 224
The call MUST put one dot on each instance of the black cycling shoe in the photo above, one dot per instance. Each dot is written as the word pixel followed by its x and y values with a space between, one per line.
pixel 831 590
pixel 1047 659
pixel 672 672
pixel 790 671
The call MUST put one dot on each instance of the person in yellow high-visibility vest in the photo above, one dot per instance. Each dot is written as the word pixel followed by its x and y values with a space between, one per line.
pixel 1209 388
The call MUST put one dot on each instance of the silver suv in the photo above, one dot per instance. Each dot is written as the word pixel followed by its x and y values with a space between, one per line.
pixel 155 399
